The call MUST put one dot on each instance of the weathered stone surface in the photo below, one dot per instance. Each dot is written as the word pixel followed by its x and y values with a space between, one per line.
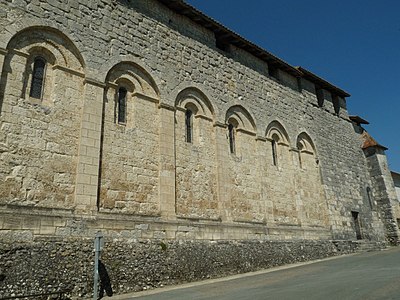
pixel 267 160
pixel 68 150
pixel 47 266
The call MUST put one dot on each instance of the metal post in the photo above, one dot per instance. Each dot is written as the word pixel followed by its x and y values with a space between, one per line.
pixel 98 244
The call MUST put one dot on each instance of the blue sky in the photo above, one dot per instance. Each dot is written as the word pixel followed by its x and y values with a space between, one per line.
pixel 353 44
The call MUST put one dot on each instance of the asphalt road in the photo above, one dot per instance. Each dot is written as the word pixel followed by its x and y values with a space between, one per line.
pixel 371 275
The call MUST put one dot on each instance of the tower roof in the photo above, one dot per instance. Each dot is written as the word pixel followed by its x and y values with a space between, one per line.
pixel 369 141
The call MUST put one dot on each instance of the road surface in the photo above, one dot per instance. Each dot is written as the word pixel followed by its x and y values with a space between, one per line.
pixel 371 275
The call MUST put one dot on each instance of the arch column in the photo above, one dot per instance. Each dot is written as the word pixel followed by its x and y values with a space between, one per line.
pixel 3 53
pixel 12 76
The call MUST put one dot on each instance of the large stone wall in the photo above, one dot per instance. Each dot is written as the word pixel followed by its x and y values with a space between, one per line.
pixel 396 181
pixel 196 161
pixel 385 193
pixel 67 265
pixel 130 150
pixel 396 205
pixel 266 159
pixel 145 166
pixel 40 138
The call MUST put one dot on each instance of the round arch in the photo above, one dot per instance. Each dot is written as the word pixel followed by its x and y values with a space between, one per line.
pixel 135 76
pixel 276 131
pixel 59 44
pixel 194 98
pixel 243 119
pixel 305 143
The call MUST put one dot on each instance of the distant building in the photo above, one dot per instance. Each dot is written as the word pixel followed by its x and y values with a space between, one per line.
pixel 396 180
pixel 396 206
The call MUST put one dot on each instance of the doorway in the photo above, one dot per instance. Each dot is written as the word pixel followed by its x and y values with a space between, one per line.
pixel 356 224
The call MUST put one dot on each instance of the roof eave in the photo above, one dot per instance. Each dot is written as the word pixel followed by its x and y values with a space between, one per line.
pixel 228 35
pixel 233 38
pixel 358 120
pixel 322 83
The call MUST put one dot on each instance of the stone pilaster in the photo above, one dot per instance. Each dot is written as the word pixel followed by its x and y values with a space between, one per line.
pixel 295 165
pixel 223 173
pixel 167 161
pixel 87 178
pixel 265 198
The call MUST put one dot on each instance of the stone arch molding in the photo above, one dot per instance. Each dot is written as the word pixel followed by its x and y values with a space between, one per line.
pixel 135 78
pixel 195 99
pixel 240 118
pixel 51 42
pixel 186 86
pixel 276 131
pixel 304 143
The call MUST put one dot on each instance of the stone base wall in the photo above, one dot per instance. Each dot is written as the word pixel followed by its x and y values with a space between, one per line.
pixel 49 264
pixel 22 224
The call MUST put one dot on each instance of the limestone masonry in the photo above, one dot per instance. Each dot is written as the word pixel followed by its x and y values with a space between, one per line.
pixel 195 152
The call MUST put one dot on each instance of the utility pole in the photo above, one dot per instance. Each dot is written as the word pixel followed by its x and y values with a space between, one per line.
pixel 98 246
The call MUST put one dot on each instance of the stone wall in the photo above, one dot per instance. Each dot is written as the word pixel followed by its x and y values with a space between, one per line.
pixel 196 158
pixel 135 266
pixel 267 162
pixel 396 181
pixel 384 192
pixel 40 138
pixel 396 205
pixel 144 166
pixel 130 150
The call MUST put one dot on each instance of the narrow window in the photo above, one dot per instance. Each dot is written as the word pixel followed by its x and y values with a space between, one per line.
pixel 299 148
pixel 274 153
pixel 231 132
pixel 122 92
pixel 39 67
pixel 189 125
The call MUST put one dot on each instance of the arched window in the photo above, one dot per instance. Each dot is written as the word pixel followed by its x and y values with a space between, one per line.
pixel 38 75
pixel 274 155
pixel 277 136
pixel 299 148
pixel 189 125
pixel 231 136
pixel 122 93
pixel 306 151
pixel 274 147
